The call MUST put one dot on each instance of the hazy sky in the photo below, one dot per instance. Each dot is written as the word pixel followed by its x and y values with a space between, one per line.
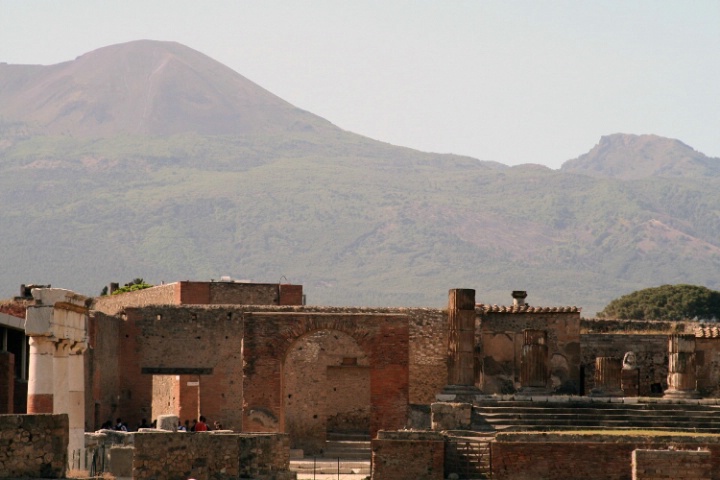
pixel 511 81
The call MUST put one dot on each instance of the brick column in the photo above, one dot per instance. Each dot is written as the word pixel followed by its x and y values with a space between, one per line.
pixel 608 377
pixel 534 362
pixel 461 347
pixel 40 376
pixel 682 374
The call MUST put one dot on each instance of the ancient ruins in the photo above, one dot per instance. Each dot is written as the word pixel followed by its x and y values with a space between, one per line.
pixel 470 391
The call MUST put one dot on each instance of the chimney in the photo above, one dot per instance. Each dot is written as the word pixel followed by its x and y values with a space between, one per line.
pixel 113 286
pixel 519 297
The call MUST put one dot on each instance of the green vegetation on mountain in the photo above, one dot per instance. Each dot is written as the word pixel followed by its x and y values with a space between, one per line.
pixel 87 199
pixel 667 302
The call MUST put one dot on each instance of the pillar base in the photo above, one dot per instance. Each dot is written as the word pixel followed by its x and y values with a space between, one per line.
pixel 459 393
pixel 681 394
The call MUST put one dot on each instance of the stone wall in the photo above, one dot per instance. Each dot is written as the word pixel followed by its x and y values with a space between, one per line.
pixel 671 464
pixel 206 456
pixel 500 345
pixel 428 353
pixel 651 351
pixel 408 454
pixel 159 295
pixel 33 446
pixel 530 456
pixel 707 357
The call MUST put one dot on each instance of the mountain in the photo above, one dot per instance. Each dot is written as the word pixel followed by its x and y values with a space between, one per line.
pixel 632 157
pixel 149 159
pixel 144 88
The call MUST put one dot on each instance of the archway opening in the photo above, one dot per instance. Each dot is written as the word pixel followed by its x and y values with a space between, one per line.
pixel 326 389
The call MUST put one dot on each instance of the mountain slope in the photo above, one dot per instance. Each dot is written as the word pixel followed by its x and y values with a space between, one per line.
pixel 631 157
pixel 358 222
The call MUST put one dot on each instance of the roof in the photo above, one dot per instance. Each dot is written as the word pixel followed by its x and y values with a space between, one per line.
pixel 524 309
pixel 707 331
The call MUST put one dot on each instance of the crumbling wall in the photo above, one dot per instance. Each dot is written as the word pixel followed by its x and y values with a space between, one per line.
pixel 501 348
pixel 33 446
pixel 671 465
pixel 651 351
pixel 408 454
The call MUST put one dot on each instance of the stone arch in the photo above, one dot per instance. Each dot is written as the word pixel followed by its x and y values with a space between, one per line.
pixel 325 389
pixel 268 337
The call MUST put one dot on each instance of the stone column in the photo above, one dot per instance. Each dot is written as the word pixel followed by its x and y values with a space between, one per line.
pixel 608 377
pixel 682 374
pixel 461 346
pixel 40 376
pixel 533 362
pixel 76 396
pixel 60 377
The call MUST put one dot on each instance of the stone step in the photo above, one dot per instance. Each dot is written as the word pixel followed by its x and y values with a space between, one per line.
pixel 348 449
pixel 598 405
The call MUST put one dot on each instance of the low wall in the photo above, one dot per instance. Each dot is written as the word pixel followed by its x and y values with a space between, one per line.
pixel 560 456
pixel 408 454
pixel 671 464
pixel 33 446
pixel 202 456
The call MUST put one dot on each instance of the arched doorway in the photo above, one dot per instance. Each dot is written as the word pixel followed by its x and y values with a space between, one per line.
pixel 326 389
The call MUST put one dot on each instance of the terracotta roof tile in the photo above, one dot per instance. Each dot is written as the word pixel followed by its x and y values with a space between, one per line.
pixel 524 309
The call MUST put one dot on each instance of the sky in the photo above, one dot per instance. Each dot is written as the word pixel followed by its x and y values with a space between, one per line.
pixel 509 81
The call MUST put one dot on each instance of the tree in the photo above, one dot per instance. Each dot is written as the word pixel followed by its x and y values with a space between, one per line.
pixel 667 302
pixel 137 284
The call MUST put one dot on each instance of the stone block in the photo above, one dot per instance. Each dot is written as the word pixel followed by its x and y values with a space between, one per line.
pixel 451 416
pixel 121 461
pixel 167 422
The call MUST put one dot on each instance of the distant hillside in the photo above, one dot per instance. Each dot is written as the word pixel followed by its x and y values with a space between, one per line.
pixel 632 157
pixel 151 160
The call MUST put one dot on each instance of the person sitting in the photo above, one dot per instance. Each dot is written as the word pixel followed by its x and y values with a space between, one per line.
pixel 120 426
pixel 201 426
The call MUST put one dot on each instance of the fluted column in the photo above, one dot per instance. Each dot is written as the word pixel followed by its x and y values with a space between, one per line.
pixel 533 361
pixel 608 378
pixel 40 377
pixel 682 371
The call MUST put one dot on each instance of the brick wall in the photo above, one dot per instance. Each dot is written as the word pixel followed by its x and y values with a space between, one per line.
pixel 383 339
pixel 408 455
pixel 103 395
pixel 193 293
pixel 671 464
pixel 320 394
pixel 500 347
pixel 159 295
pixel 7 382
pixel 524 456
pixel 33 446
pixel 175 337
pixel 165 400
pixel 650 349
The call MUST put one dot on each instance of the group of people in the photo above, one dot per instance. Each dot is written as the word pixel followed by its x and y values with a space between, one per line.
pixel 197 426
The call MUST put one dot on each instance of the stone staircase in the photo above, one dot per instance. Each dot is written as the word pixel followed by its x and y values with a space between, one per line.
pixel 590 415
pixel 347 446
